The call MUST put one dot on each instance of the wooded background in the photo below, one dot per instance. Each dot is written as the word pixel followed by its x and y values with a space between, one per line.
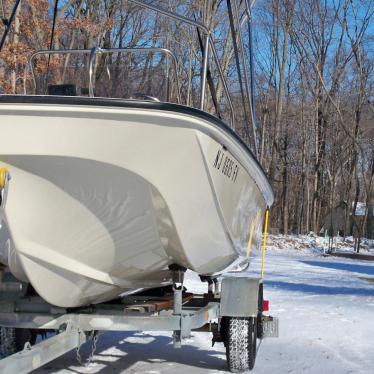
pixel 314 63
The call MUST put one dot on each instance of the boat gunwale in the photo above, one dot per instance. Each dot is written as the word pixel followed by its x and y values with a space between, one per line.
pixel 140 104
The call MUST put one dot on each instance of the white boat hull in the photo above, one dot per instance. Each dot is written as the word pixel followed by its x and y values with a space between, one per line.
pixel 103 199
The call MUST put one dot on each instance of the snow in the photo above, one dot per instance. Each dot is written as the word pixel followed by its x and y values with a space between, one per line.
pixel 312 244
pixel 326 310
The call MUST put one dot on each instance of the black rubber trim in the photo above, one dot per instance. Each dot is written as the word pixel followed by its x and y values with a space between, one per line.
pixel 137 104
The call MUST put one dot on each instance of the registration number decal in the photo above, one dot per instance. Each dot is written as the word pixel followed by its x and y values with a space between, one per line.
pixel 227 166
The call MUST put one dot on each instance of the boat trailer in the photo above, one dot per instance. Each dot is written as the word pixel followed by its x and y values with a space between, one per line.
pixel 231 308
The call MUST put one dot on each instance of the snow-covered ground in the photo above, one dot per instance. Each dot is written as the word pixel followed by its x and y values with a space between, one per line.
pixel 326 310
pixel 313 243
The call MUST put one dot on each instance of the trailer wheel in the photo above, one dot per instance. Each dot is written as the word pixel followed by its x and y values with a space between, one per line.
pixel 241 339
pixel 7 341
pixel 13 340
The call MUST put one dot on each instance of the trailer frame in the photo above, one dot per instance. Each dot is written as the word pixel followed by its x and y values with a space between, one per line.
pixel 178 311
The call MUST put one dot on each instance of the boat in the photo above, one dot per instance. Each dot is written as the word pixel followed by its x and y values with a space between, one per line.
pixel 104 196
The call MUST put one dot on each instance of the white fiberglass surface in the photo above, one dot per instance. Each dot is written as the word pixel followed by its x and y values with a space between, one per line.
pixel 116 194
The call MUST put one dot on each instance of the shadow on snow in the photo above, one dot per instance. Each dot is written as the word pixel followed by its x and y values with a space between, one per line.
pixel 354 268
pixel 319 290
pixel 159 350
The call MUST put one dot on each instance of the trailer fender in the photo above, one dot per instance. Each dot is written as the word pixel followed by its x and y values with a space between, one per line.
pixel 239 297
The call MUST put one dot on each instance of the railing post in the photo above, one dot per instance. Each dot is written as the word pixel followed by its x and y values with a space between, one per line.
pixel 205 71
pixel 8 24
pixel 251 72
pixel 90 71
pixel 224 84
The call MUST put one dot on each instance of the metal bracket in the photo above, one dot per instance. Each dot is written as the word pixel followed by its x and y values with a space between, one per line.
pixel 213 285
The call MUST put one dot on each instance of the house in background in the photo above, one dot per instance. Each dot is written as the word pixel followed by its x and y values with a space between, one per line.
pixel 335 222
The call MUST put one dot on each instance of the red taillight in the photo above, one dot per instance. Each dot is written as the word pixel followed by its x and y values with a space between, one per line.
pixel 265 305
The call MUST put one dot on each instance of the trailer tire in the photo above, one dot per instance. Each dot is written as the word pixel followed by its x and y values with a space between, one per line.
pixel 241 341
pixel 7 341
pixel 12 340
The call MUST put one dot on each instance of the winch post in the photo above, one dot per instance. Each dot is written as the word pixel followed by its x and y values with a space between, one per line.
pixel 178 278
pixel 177 311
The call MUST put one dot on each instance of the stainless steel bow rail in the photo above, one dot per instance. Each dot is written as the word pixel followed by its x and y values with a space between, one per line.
pixel 96 51
pixel 176 311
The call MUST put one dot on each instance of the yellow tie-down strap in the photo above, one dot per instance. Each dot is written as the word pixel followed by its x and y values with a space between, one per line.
pixel 264 243
pixel 251 232
pixel 3 177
